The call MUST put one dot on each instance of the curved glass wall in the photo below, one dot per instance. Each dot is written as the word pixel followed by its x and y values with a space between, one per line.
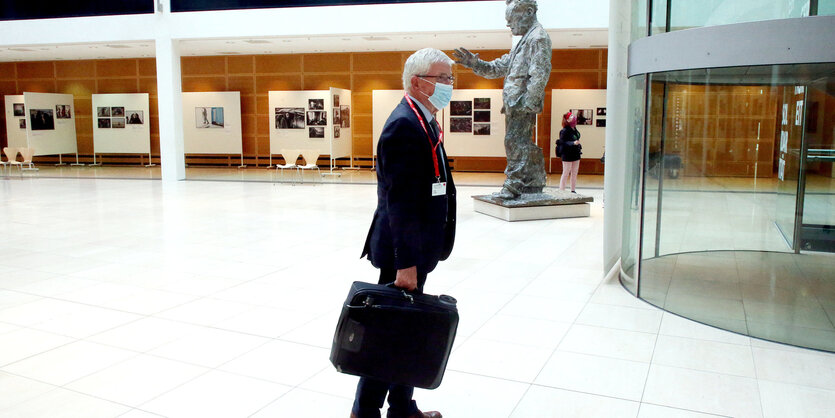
pixel 731 216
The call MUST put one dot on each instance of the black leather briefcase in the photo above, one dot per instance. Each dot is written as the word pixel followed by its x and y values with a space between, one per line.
pixel 395 336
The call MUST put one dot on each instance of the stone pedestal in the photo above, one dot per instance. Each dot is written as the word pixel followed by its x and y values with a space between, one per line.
pixel 528 207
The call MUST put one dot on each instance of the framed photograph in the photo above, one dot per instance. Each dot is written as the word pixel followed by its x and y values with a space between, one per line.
pixel 337 119
pixel 103 112
pixel 317 118
pixel 104 123
pixel 461 125
pixel 316 104
pixel 481 116
pixel 601 111
pixel 335 100
pixel 600 123
pixel 63 112
pixel 481 103
pixel 584 116
pixel 289 118
pixel 136 117
pixel 117 122
pixel 336 131
pixel 461 108
pixel 481 129
pixel 316 132
pixel 42 119
pixel 23 124
pixel 117 111
pixel 208 117
pixel 345 116
pixel 19 109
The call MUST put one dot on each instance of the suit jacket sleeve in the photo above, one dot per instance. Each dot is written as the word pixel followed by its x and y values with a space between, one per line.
pixel 493 69
pixel 400 146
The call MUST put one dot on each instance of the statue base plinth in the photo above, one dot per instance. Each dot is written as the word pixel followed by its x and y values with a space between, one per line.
pixel 534 206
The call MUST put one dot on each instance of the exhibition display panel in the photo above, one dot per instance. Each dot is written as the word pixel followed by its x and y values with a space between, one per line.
pixel 121 124
pixel 589 105
pixel 473 124
pixel 212 123
pixel 16 122
pixel 315 120
pixel 50 123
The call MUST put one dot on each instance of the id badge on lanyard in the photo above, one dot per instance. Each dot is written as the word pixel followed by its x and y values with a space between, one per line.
pixel 439 187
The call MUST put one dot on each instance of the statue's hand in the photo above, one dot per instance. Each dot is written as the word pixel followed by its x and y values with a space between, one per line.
pixel 464 57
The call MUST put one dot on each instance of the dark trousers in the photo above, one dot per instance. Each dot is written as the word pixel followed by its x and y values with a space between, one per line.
pixel 371 393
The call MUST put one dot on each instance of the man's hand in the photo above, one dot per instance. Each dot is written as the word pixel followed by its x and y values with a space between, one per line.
pixel 464 57
pixel 406 278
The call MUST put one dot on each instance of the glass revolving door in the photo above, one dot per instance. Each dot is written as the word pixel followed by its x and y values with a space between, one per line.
pixel 737 187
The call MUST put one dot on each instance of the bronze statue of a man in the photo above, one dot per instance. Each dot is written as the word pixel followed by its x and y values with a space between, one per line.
pixel 526 70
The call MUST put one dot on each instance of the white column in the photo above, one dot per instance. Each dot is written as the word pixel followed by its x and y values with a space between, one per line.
pixel 617 137
pixel 169 98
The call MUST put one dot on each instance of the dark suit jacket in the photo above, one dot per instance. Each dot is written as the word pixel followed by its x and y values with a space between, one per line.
pixel 410 227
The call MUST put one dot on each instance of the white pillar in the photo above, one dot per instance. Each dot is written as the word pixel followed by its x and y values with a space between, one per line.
pixel 170 100
pixel 617 136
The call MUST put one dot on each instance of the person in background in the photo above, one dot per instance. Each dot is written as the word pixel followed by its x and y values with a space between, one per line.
pixel 569 150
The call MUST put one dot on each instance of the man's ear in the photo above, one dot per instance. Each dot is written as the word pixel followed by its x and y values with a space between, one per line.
pixel 529 12
pixel 414 82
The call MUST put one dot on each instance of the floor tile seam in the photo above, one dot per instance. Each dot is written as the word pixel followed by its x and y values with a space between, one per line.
pixel 87 395
pixel 52 387
pixel 540 385
pixel 736 376
pixel 144 315
pixel 799 385
pixel 144 403
pixel 74 340
pixel 706 340
pixel 686 409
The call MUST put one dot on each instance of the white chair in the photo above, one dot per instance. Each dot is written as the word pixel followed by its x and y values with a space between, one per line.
pixel 27 154
pixel 5 164
pixel 290 157
pixel 310 157
pixel 11 155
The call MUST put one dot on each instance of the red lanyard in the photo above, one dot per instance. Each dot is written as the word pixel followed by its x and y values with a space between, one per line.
pixel 429 137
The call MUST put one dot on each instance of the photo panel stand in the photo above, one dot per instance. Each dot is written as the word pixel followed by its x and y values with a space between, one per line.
pixel 50 125
pixel 212 124
pixel 120 125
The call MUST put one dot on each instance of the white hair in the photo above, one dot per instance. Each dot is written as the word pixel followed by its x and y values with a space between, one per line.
pixel 419 63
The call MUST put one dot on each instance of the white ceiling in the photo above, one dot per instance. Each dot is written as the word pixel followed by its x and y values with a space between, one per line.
pixel 573 38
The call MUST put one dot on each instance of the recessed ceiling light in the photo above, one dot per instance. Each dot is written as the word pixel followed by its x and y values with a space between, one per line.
pixel 21 49
pixel 286 40
pixel 376 38
pixel 576 34
pixel 346 39
pixel 471 36
pixel 257 41
pixel 118 46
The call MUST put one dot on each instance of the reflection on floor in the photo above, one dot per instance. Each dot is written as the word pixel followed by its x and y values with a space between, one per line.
pixel 776 296
pixel 218 299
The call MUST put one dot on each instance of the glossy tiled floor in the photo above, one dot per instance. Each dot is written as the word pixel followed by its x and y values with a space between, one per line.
pixel 218 299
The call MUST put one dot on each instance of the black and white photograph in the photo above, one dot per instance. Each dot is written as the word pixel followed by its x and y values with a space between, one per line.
pixel 135 117
pixel 117 111
pixel 18 109
pixel 63 112
pixel 103 112
pixel 208 117
pixel 601 111
pixel 316 104
pixel 584 116
pixel 600 123
pixel 460 125
pixel 289 118
pixel 481 116
pixel 482 103
pixel 42 119
pixel 345 116
pixel 337 118
pixel 316 132
pixel 336 131
pixel 104 123
pixel 23 124
pixel 461 108
pixel 335 100
pixel 317 118
pixel 481 129
pixel 117 122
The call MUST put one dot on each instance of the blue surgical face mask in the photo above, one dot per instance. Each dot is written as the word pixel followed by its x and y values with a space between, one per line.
pixel 442 95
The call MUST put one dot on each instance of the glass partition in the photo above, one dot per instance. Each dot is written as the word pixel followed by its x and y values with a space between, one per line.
pixel 826 7
pixel 730 181
pixel 672 15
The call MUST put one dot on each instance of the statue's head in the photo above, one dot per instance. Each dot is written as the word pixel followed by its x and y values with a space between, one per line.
pixel 520 15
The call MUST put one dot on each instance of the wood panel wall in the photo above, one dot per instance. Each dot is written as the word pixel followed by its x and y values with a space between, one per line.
pixel 82 79
pixel 255 75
